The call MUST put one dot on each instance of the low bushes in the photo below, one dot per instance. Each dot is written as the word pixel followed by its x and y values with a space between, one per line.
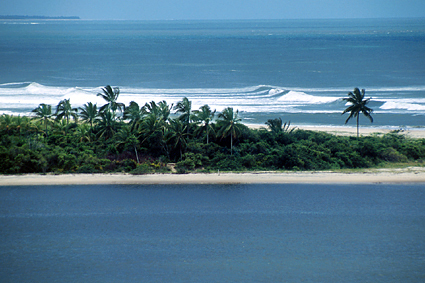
pixel 252 150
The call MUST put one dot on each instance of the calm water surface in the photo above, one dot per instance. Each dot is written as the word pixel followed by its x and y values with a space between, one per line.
pixel 213 233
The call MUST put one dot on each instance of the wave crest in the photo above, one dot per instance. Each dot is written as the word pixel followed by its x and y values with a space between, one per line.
pixel 390 105
pixel 22 97
pixel 304 98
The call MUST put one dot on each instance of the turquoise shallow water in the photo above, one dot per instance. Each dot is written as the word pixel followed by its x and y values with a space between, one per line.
pixel 295 69
pixel 213 233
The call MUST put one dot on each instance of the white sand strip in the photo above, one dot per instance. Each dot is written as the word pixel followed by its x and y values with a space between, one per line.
pixel 351 131
pixel 406 175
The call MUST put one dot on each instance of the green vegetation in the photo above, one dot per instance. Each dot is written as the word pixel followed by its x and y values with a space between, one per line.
pixel 143 139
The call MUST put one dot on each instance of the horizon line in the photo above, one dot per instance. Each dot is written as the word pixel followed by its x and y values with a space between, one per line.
pixel 36 17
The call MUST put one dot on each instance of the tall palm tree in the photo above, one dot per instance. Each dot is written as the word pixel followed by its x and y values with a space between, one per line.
pixel 43 113
pixel 152 109
pixel 110 95
pixel 89 114
pixel 65 110
pixel 357 105
pixel 60 128
pixel 160 111
pixel 277 126
pixel 153 125
pixel 229 125
pixel 151 131
pixel 164 110
pixel 185 108
pixel 126 138
pixel 107 125
pixel 133 113
pixel 205 116
pixel 176 134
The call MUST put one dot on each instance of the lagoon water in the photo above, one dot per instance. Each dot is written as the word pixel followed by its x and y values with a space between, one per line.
pixel 295 69
pixel 213 233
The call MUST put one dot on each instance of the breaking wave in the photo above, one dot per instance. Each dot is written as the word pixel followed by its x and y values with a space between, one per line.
pixel 22 97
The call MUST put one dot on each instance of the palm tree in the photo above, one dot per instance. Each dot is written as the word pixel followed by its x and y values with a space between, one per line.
pixel 176 134
pixel 164 110
pixel 205 116
pixel 152 109
pixel 21 123
pixel 358 104
pixel 107 125
pixel 126 138
pixel 6 122
pixel 184 107
pixel 275 125
pixel 84 133
pixel 110 95
pixel 160 112
pixel 43 113
pixel 152 131
pixel 60 130
pixel 229 125
pixel 64 109
pixel 133 113
pixel 89 114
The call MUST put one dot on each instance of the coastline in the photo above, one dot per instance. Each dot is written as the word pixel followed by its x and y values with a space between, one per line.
pixel 370 176
pixel 417 133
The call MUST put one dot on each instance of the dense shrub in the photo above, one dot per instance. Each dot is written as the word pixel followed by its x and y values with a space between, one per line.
pixel 66 149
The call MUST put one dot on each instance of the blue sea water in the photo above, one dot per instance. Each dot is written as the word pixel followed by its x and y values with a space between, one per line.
pixel 213 233
pixel 295 69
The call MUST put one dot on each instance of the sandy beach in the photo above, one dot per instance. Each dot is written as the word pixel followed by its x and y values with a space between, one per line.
pixel 417 133
pixel 404 175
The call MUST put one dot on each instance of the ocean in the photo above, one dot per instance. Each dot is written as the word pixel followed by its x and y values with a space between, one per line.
pixel 213 233
pixel 294 69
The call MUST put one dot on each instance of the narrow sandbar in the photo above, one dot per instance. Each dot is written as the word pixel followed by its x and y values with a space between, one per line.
pixel 404 175
pixel 417 133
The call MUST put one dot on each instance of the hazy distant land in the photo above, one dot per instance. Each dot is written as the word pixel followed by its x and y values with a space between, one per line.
pixel 19 17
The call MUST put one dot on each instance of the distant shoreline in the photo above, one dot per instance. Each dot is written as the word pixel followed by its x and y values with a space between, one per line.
pixel 416 133
pixel 19 17
pixel 370 176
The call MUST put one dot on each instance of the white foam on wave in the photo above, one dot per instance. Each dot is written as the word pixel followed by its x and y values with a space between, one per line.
pixel 35 88
pixel 396 89
pixel 303 98
pixel 345 90
pixel 389 105
pixel 15 84
pixel 276 91
pixel 30 95
pixel 23 96
pixel 194 92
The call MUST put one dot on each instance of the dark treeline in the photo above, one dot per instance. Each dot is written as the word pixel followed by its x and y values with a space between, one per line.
pixel 144 139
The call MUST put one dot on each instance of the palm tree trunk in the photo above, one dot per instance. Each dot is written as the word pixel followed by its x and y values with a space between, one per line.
pixel 45 125
pixel 231 143
pixel 207 134
pixel 358 118
pixel 137 156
